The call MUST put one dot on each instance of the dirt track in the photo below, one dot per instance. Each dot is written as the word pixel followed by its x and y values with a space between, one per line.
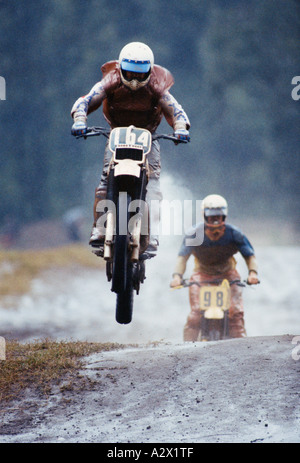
pixel 243 390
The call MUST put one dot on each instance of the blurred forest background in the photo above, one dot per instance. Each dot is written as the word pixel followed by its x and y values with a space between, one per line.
pixel 233 64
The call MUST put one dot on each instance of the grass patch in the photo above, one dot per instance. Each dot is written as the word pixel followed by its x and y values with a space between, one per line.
pixel 42 364
pixel 18 267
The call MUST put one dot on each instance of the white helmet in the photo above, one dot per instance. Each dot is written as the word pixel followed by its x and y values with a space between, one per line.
pixel 138 58
pixel 214 205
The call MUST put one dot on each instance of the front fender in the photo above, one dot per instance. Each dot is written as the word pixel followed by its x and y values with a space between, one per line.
pixel 127 167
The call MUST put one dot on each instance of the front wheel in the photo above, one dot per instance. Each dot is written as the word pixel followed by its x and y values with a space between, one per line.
pixel 122 283
pixel 211 329
pixel 120 258
pixel 124 304
pixel 214 334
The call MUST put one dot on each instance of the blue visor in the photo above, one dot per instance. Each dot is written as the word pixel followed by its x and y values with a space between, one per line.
pixel 135 66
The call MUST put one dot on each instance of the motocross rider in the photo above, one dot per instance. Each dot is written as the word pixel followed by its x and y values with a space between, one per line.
pixel 214 260
pixel 133 91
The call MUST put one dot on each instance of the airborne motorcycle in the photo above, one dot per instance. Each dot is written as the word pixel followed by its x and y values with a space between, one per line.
pixel 126 212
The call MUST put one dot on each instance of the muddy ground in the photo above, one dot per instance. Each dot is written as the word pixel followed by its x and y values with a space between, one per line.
pixel 240 390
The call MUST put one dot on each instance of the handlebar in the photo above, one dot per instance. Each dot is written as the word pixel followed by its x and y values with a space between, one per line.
pixel 96 131
pixel 187 283
pixel 168 137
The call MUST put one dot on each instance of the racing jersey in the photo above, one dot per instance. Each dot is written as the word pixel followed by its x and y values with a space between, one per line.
pixel 122 106
pixel 214 257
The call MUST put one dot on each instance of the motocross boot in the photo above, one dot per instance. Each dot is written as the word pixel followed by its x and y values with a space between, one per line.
pixel 153 246
pixel 97 238
pixel 151 250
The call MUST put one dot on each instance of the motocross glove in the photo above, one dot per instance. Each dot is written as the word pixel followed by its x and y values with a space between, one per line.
pixel 182 134
pixel 78 128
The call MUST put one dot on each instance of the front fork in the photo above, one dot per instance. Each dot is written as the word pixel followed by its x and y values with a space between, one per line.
pixel 135 232
pixel 109 236
pixel 134 243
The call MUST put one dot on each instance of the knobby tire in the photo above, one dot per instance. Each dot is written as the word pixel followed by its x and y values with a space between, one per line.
pixel 122 269
pixel 124 305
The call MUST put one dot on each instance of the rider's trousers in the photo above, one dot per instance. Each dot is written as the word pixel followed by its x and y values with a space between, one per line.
pixel 236 310
pixel 153 193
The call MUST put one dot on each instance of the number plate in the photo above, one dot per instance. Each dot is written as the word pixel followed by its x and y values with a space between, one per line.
pixel 130 137
pixel 215 299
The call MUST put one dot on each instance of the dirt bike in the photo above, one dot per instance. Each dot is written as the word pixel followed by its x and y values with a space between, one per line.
pixel 126 212
pixel 214 302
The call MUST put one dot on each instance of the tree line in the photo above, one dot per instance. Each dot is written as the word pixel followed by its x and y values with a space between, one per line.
pixel 233 63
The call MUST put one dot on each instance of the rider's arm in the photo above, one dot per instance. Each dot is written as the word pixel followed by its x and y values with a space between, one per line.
pixel 179 270
pixel 88 103
pixel 252 269
pixel 247 251
pixel 174 112
pixel 251 263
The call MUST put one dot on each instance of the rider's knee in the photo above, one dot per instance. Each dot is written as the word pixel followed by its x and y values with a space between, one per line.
pixel 194 319
pixel 101 191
